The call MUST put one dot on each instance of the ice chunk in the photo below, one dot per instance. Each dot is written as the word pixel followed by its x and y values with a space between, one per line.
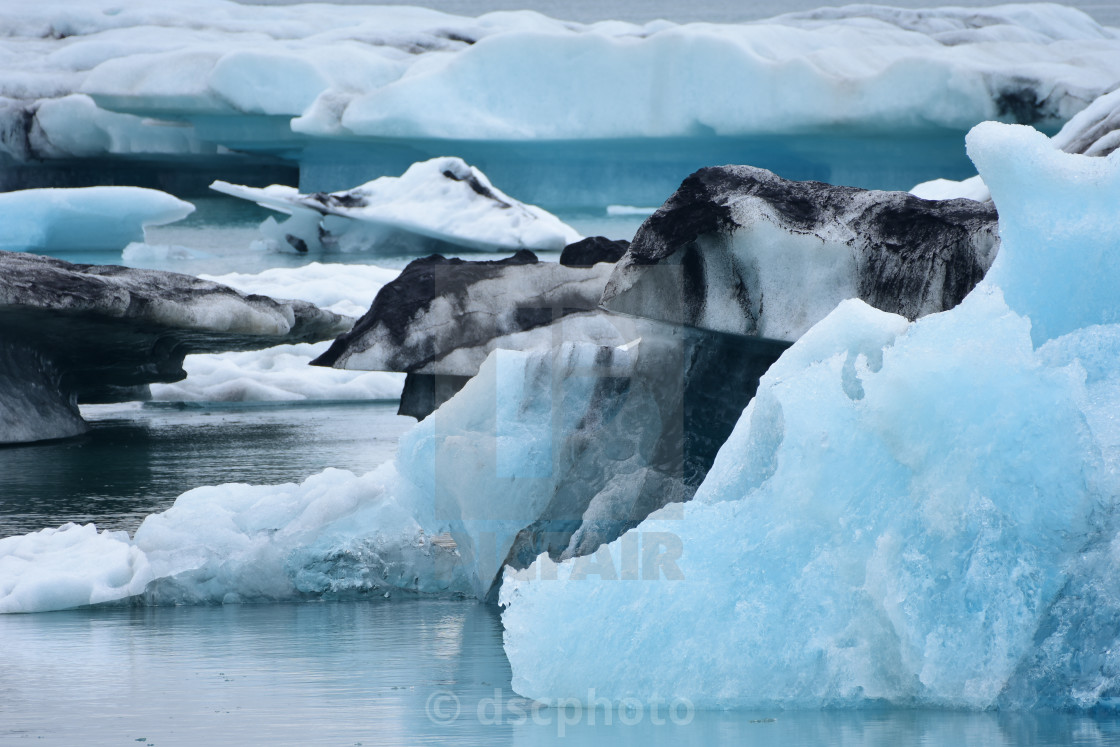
pixel 95 333
pixel 972 188
pixel 437 305
pixel 72 566
pixel 91 218
pixel 1060 277
pixel 341 288
pixel 918 514
pixel 1095 130
pixel 439 201
pixel 281 373
pixel 739 249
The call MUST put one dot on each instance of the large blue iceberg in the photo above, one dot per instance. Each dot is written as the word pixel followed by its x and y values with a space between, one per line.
pixel 912 513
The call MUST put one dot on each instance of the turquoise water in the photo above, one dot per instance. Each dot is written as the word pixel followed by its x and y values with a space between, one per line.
pixel 381 673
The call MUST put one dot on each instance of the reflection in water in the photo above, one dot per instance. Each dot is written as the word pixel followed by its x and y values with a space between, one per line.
pixel 137 459
pixel 381 673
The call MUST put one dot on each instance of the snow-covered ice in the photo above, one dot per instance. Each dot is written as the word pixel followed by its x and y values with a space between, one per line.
pixel 441 201
pixel 922 514
pixel 89 218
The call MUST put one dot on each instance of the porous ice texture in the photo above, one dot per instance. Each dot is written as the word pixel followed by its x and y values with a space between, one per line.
pixel 740 250
pixel 90 218
pixel 273 78
pixel 94 333
pixel 921 514
pixel 441 201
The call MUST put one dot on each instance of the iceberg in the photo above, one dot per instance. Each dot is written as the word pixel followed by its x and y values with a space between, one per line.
pixel 438 519
pixel 1095 130
pixel 740 250
pixel 920 514
pixel 91 218
pixel 426 320
pixel 442 201
pixel 619 112
pixel 102 333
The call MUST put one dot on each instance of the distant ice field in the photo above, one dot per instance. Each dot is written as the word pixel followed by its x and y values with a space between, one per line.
pixel 710 11
pixel 558 113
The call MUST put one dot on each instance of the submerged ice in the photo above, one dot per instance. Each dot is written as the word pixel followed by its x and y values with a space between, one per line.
pixel 919 514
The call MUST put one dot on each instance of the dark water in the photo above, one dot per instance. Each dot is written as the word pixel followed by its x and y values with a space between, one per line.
pixel 137 459
pixel 381 673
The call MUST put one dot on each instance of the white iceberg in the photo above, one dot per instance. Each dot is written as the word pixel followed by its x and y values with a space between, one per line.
pixel 442 201
pixel 922 514
pixel 90 218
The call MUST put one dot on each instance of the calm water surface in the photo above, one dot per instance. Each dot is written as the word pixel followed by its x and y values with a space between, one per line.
pixel 379 673
pixel 137 459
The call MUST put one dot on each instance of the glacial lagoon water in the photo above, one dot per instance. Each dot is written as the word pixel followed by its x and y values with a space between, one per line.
pixel 383 673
